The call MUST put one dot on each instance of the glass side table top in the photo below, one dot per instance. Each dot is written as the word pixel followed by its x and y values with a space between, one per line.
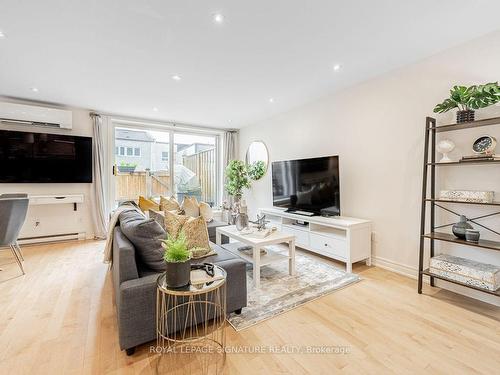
pixel 219 276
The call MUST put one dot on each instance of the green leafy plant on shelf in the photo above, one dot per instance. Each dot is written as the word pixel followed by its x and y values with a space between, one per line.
pixel 470 98
pixel 237 178
pixel 256 170
pixel 176 249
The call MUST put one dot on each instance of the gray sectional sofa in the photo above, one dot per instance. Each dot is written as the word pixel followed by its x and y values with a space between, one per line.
pixel 135 286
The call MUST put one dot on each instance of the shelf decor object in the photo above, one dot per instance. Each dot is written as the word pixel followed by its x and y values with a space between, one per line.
pixel 484 145
pixel 467 196
pixel 480 275
pixel 467 99
pixel 472 235
pixel 459 228
pixel 429 228
pixel 445 147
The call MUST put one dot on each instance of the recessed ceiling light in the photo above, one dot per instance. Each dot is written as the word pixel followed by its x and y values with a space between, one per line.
pixel 218 18
pixel 271 100
pixel 2 35
pixel 34 89
pixel 176 78
pixel 337 67
pixel 155 109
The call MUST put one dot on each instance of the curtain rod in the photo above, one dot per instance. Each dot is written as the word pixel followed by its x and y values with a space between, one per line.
pixel 160 122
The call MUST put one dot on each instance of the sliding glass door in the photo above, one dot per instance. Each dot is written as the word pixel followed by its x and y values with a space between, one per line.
pixel 144 157
pixel 195 169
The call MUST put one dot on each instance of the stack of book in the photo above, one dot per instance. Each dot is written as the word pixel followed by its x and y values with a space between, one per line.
pixel 480 157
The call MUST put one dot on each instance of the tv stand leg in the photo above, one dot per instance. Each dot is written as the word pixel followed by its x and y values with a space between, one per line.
pixel 348 267
pixel 369 261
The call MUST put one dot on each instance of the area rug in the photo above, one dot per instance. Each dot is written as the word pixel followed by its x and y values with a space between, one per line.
pixel 279 292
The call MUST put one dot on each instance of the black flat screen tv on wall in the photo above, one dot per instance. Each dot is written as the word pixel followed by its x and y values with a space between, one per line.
pixel 310 185
pixel 27 157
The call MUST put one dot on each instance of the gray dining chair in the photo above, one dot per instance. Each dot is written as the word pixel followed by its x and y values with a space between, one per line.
pixel 13 209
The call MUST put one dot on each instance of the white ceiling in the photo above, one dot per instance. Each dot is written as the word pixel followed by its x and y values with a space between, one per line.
pixel 119 56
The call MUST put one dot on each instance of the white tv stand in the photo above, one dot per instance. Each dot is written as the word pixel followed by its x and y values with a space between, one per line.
pixel 342 238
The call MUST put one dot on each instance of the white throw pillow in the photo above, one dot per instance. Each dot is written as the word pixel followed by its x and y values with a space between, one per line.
pixel 190 207
pixel 206 211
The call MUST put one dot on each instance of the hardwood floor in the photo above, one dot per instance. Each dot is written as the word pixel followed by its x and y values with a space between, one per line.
pixel 59 319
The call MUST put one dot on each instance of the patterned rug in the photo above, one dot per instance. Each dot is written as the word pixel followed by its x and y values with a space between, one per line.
pixel 279 292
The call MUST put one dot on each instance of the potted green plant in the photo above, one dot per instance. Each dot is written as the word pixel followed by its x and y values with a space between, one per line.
pixel 127 167
pixel 468 99
pixel 256 170
pixel 177 257
pixel 237 179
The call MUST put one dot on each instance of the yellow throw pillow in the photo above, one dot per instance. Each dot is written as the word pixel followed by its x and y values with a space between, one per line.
pixel 190 207
pixel 206 212
pixel 169 204
pixel 147 204
pixel 174 223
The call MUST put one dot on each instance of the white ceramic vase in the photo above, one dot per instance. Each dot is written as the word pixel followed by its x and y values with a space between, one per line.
pixel 445 147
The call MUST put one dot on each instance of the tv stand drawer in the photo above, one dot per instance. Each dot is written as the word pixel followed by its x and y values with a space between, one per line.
pixel 301 236
pixel 330 245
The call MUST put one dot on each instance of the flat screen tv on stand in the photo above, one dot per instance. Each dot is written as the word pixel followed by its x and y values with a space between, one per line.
pixel 307 186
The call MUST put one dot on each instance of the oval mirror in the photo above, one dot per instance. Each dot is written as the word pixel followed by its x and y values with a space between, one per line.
pixel 257 159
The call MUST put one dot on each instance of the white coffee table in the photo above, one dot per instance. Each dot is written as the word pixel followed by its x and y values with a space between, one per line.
pixel 257 244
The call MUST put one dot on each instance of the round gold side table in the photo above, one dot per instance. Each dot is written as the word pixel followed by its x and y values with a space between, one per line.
pixel 190 326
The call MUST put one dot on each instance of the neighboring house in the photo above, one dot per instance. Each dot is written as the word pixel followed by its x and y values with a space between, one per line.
pixel 140 147
pixel 133 147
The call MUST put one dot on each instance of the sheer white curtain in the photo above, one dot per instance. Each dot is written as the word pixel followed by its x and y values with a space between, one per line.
pixel 229 152
pixel 98 187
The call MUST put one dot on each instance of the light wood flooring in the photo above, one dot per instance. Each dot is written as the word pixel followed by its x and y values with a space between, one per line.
pixel 60 319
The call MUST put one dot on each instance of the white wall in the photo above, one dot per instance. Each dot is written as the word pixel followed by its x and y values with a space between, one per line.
pixel 377 129
pixel 55 219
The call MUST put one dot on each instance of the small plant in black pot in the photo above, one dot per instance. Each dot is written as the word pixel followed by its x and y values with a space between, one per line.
pixel 467 99
pixel 177 257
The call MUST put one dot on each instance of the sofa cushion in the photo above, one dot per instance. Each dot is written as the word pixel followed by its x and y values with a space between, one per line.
pixel 147 204
pixel 169 204
pixel 206 212
pixel 146 235
pixel 190 206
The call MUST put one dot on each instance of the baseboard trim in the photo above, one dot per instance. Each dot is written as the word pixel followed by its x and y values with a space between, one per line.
pixel 52 238
pixel 396 267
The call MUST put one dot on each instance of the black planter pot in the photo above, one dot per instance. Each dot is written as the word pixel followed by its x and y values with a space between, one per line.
pixel 465 116
pixel 178 274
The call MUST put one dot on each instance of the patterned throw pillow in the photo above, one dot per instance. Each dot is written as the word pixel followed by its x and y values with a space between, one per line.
pixel 206 212
pixel 190 206
pixel 169 204
pixel 196 233
pixel 174 223
pixel 195 229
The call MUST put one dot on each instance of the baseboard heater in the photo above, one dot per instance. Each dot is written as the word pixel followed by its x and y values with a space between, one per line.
pixel 52 238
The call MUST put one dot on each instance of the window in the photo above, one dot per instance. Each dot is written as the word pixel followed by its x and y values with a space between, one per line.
pixel 179 163
pixel 195 167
